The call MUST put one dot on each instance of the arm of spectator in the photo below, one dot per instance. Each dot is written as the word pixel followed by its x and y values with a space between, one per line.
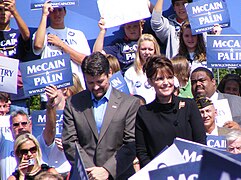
pixel 11 6
pixel 160 24
pixel 99 42
pixel 50 126
pixel 74 55
pixel 41 31
pixel 232 125
pixel 159 5
pixel 150 6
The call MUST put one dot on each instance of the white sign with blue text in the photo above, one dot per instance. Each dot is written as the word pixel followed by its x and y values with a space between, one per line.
pixel 224 51
pixel 8 74
pixel 164 159
pixel 43 72
pixel 203 15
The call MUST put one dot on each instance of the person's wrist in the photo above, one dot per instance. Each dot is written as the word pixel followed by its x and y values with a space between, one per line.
pixel 61 45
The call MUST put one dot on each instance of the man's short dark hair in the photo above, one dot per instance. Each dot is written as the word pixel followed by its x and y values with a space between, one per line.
pixel 206 70
pixel 95 64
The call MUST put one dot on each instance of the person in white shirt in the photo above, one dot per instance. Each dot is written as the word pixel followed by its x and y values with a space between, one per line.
pixel 57 39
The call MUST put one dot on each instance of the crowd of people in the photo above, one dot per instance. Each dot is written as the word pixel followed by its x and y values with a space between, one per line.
pixel 172 94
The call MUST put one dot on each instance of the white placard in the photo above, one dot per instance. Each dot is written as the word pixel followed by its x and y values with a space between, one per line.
pixel 4 121
pixel 117 12
pixel 169 157
pixel 223 112
pixel 8 74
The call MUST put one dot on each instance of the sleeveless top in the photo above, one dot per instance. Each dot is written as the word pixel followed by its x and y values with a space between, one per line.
pixel 44 167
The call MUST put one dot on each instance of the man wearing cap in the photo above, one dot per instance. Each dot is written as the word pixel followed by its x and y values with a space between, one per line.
pixel 204 84
pixel 209 113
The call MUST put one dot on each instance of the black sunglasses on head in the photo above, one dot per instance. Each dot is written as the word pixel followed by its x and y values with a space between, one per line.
pixel 22 123
pixel 25 151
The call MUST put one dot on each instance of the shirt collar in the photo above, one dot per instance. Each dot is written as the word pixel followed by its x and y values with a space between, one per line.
pixel 214 97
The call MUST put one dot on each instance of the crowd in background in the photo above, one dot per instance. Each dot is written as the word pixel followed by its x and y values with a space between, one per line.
pixel 172 94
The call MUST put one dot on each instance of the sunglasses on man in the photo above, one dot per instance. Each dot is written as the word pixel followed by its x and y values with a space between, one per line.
pixel 24 123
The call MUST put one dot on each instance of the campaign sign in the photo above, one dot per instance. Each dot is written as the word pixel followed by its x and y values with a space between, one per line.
pixel 218 142
pixel 189 170
pixel 117 81
pixel 79 172
pixel 224 51
pixel 8 74
pixel 5 124
pixel 40 73
pixel 216 165
pixel 169 157
pixel 38 4
pixel 203 15
pixel 38 118
pixel 190 151
pixel 117 12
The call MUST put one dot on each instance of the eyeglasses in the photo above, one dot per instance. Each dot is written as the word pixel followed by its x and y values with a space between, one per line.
pixel 22 123
pixel 25 151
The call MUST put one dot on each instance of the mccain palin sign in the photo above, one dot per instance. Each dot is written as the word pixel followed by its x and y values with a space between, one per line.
pixel 224 51
pixel 203 15
pixel 40 73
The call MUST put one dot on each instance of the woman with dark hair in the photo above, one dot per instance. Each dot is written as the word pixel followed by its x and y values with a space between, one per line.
pixel 230 84
pixel 192 46
pixel 168 116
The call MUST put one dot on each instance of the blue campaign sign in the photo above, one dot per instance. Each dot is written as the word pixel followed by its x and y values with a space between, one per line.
pixel 206 13
pixel 216 165
pixel 40 73
pixel 190 151
pixel 38 118
pixel 117 81
pixel 188 170
pixel 38 4
pixel 224 51
pixel 218 142
pixel 79 172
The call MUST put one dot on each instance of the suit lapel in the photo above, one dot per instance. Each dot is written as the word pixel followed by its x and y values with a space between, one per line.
pixel 90 116
pixel 111 109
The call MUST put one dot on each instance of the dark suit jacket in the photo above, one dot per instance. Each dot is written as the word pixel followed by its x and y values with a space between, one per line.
pixel 234 104
pixel 114 147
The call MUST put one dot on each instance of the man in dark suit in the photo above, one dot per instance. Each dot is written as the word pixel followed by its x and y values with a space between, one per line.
pixel 101 120
pixel 204 84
